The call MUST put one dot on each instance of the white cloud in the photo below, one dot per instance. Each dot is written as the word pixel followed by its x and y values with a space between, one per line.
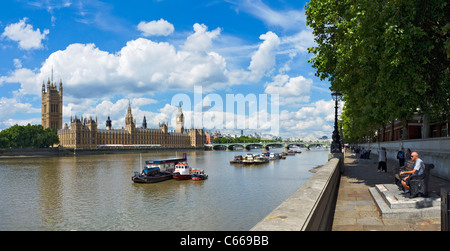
pixel 24 34
pixel 316 118
pixel 144 66
pixel 264 58
pixel 156 28
pixel 10 122
pixel 140 67
pixel 299 42
pixel 116 110
pixel 9 107
pixel 27 78
pixel 291 89
pixel 201 39
pixel 286 19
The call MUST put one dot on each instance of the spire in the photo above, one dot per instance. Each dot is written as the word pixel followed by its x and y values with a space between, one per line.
pixel 108 124
pixel 129 107
pixel 144 123
pixel 129 116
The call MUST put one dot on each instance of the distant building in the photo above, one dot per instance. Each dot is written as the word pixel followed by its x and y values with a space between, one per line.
pixel 84 133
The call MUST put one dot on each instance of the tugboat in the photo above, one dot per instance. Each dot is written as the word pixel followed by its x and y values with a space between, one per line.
pixel 182 171
pixel 237 160
pixel 291 153
pixel 151 174
pixel 248 159
pixel 157 170
pixel 274 156
pixel 261 160
pixel 166 165
pixel 199 175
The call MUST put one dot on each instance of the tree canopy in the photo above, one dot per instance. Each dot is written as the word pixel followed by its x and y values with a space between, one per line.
pixel 28 136
pixel 389 59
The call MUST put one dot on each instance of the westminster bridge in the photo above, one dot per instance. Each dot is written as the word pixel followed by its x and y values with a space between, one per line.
pixel 267 145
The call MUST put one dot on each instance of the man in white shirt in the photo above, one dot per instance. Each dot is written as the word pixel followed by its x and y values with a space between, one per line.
pixel 419 168
pixel 382 160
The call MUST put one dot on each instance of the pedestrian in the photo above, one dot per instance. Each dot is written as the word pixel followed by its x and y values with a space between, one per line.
pixel 382 160
pixel 401 157
pixel 408 154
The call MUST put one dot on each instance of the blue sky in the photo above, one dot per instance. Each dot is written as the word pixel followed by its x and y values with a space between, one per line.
pixel 108 53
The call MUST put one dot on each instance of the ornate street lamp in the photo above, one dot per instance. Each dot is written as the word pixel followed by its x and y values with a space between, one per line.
pixel 336 146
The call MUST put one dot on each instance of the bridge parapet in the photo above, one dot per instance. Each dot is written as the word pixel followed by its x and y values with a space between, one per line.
pixel 285 144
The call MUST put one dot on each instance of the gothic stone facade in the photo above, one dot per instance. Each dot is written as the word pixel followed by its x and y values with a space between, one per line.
pixel 52 105
pixel 83 132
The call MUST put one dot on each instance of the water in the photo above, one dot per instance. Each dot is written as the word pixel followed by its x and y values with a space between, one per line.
pixel 95 192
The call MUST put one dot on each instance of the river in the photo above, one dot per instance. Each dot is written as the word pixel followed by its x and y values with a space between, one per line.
pixel 95 192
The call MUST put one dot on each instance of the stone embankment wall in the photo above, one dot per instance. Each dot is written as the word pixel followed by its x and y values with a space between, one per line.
pixel 54 152
pixel 432 150
pixel 33 152
pixel 311 207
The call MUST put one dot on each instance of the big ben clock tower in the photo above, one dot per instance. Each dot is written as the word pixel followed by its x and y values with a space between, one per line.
pixel 180 120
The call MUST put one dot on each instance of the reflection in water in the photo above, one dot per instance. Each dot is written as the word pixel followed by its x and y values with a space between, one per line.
pixel 96 192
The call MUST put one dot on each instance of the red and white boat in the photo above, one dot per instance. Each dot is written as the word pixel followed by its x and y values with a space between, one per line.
pixel 198 174
pixel 182 171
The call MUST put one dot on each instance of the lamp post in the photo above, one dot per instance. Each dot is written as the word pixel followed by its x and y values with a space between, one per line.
pixel 336 146
pixel 341 133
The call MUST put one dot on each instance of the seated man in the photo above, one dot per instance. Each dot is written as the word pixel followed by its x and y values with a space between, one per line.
pixel 363 152
pixel 398 178
pixel 419 168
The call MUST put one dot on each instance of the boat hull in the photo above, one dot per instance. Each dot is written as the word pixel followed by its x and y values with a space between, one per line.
pixel 199 177
pixel 177 176
pixel 151 179
pixel 260 162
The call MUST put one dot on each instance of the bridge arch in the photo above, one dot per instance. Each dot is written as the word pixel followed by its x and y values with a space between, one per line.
pixel 251 145
pixel 279 144
pixel 232 145
pixel 301 145
pixel 219 147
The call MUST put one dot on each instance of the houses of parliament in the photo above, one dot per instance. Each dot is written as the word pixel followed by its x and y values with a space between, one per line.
pixel 84 132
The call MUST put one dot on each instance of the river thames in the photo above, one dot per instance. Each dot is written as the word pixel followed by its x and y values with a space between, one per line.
pixel 95 192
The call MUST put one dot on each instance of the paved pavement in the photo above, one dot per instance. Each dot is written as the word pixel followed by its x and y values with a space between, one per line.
pixel 356 209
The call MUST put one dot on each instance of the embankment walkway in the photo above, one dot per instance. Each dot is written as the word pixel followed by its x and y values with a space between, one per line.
pixel 355 208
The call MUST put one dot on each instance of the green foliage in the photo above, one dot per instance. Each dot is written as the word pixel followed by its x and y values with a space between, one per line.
pixel 388 58
pixel 27 136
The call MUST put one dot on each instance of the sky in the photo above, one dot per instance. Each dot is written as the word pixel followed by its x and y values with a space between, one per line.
pixel 232 64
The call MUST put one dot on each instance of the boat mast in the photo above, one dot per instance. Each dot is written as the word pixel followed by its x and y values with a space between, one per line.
pixel 140 162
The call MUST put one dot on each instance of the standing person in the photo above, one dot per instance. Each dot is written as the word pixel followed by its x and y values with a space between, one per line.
pixel 401 157
pixel 408 155
pixel 382 160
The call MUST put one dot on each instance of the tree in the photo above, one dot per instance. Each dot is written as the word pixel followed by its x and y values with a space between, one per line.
pixel 388 58
pixel 28 136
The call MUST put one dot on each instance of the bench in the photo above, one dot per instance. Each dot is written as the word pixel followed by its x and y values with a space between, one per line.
pixel 419 183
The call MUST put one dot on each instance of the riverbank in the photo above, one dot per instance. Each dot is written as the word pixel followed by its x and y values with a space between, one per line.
pixel 311 206
pixel 356 210
pixel 431 150
pixel 60 151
